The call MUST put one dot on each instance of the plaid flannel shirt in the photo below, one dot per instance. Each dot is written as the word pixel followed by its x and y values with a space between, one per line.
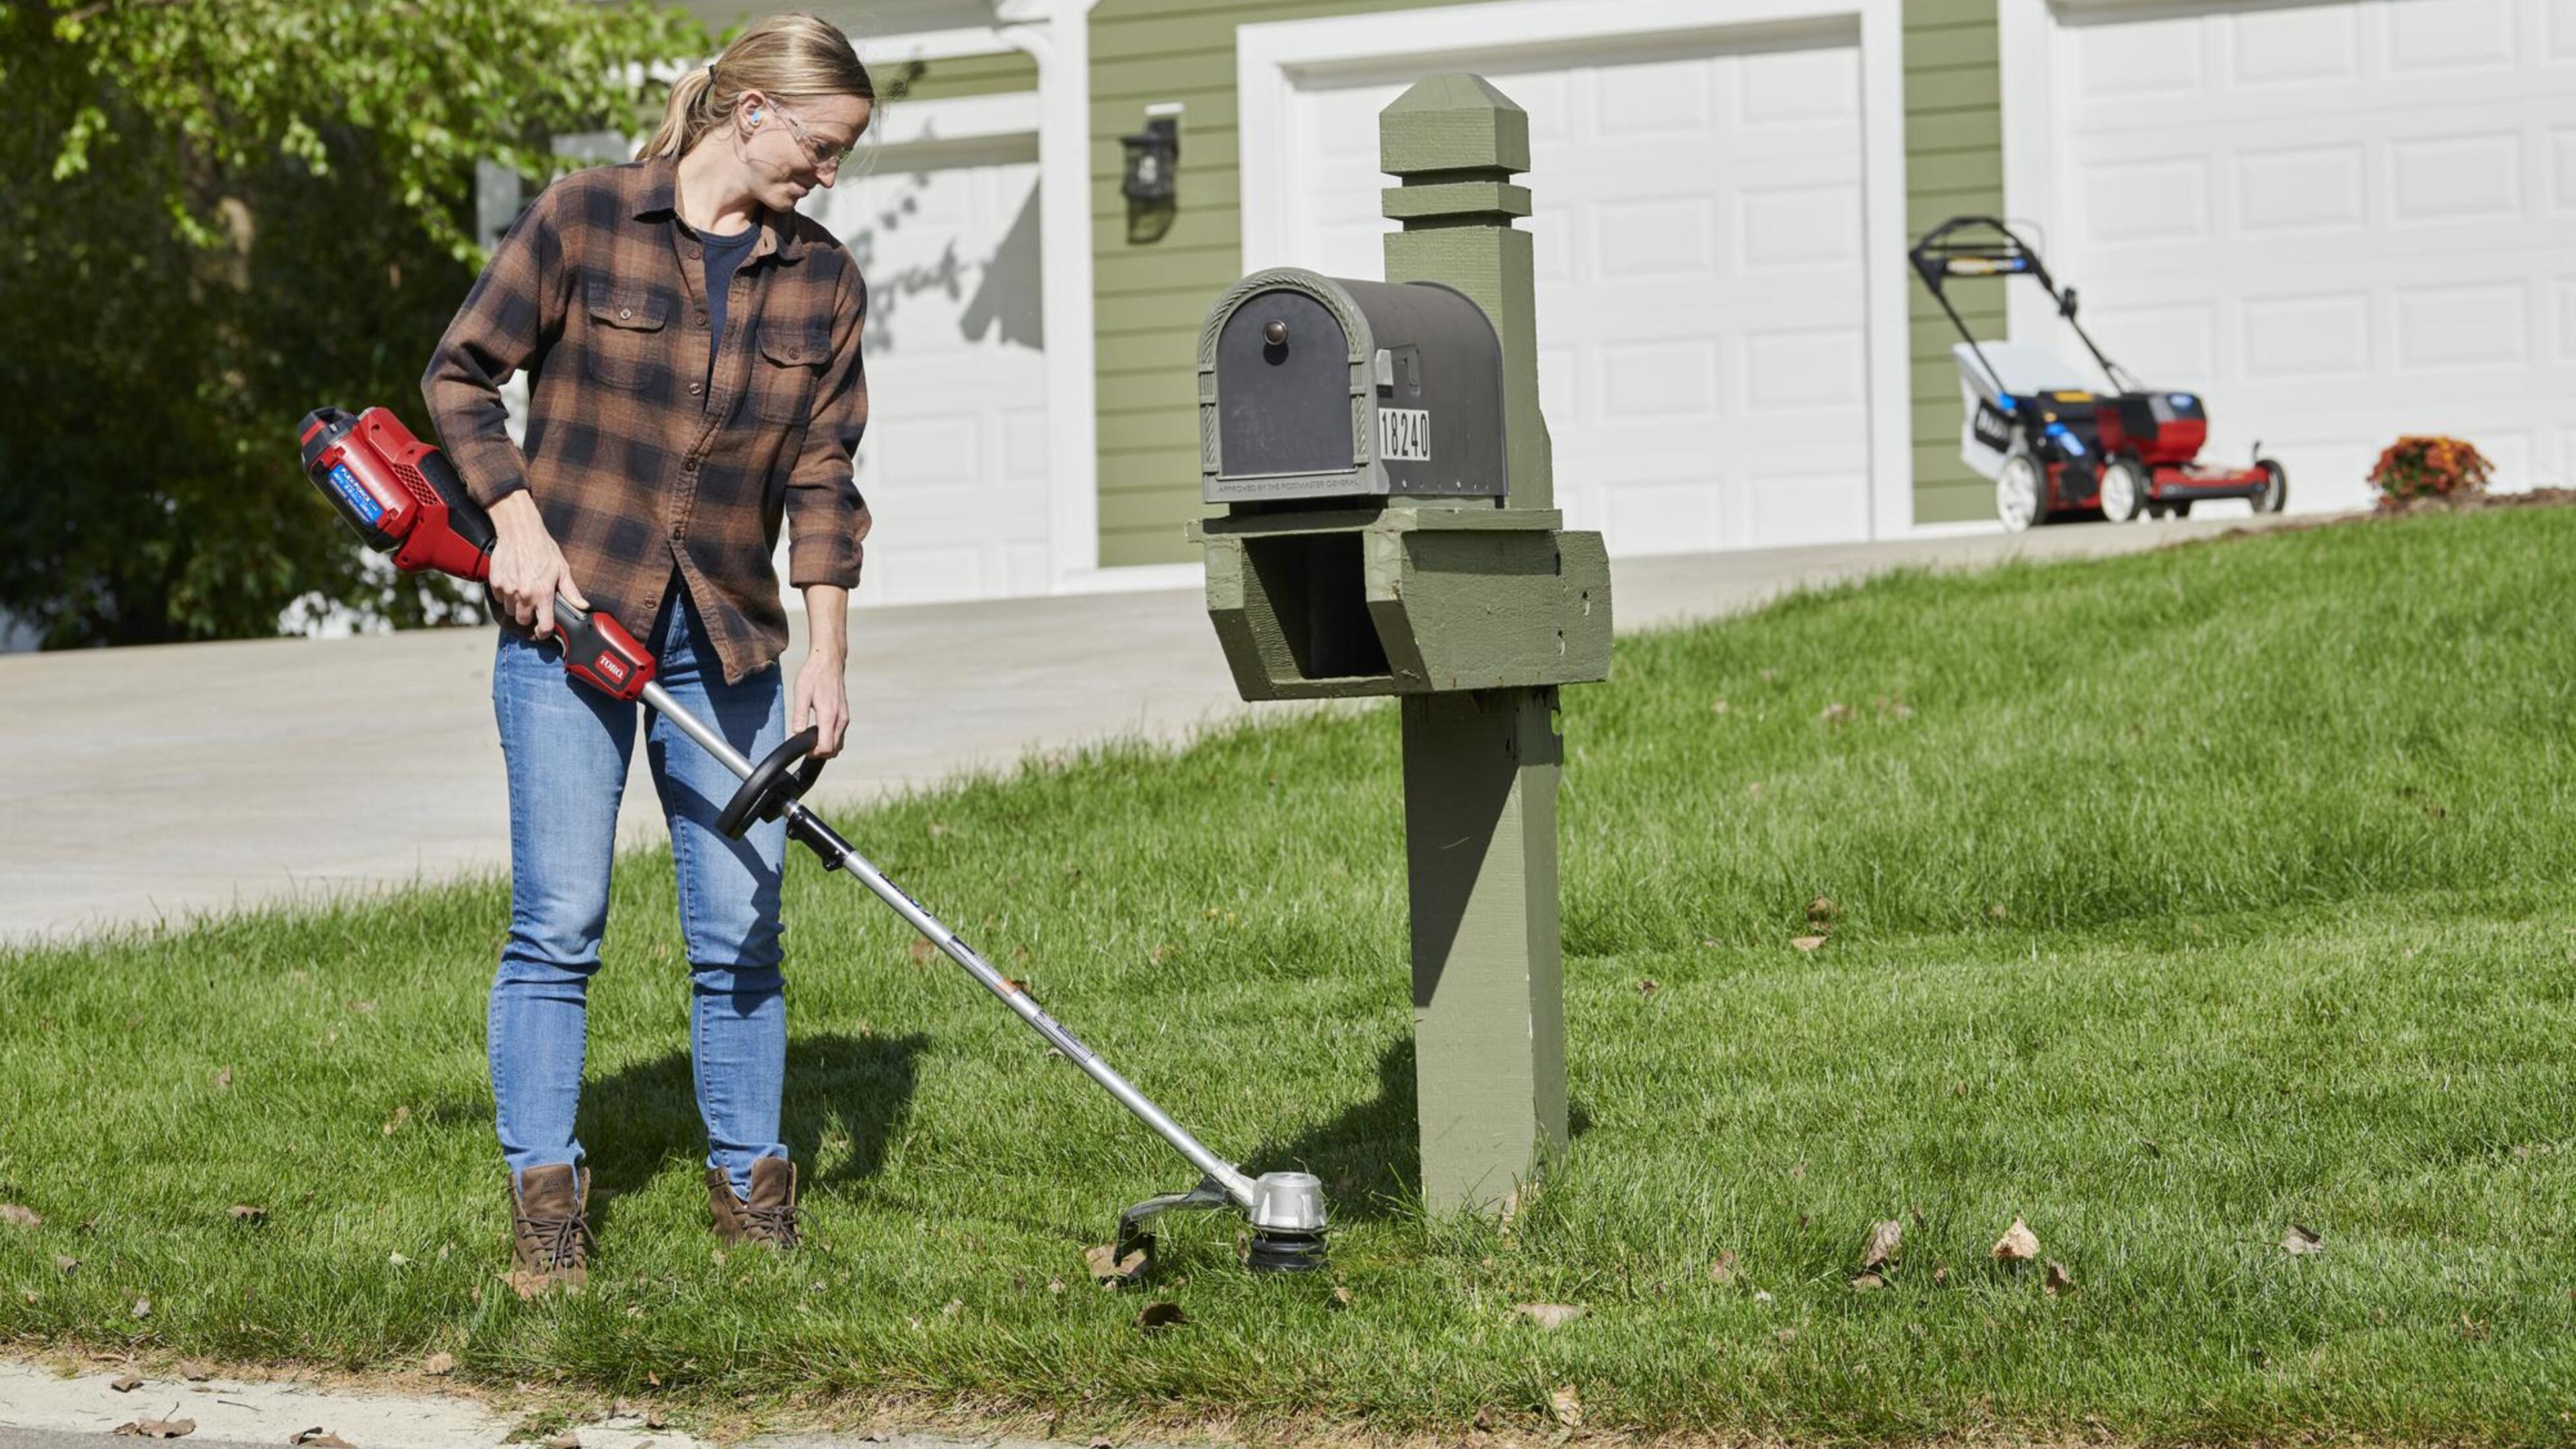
pixel 644 469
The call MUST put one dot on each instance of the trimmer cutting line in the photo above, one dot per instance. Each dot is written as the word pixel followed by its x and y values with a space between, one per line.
pixel 404 498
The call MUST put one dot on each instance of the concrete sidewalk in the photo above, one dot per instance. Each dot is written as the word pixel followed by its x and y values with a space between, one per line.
pixel 153 784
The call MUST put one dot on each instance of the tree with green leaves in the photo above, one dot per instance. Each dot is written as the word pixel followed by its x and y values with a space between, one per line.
pixel 216 215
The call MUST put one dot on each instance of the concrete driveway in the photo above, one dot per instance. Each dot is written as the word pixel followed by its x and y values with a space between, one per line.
pixel 154 784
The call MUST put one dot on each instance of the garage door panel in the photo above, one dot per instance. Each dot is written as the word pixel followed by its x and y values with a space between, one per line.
pixel 2455 179
pixel 1803 228
pixel 2294 45
pixel 2450 35
pixel 2299 188
pixel 1816 91
pixel 2456 328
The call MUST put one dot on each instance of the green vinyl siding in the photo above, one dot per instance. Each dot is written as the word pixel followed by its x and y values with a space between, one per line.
pixel 1151 295
pixel 948 80
pixel 1954 165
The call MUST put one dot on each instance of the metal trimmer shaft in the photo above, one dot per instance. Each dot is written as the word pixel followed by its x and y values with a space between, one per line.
pixel 837 853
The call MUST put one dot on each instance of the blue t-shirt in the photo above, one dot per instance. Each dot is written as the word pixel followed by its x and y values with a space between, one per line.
pixel 725 256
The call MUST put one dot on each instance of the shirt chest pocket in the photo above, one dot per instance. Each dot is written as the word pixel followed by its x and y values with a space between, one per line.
pixel 788 371
pixel 629 345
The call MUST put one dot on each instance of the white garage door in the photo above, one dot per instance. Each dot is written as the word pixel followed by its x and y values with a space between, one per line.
pixel 2341 222
pixel 1700 308
pixel 954 464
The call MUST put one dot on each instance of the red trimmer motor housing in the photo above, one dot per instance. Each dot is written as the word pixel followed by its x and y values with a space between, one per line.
pixel 404 498
pixel 399 493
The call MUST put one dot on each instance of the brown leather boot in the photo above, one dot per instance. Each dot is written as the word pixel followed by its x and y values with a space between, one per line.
pixel 550 1239
pixel 768 1220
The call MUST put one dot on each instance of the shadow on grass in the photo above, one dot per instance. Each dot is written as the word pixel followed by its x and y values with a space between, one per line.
pixel 1370 1157
pixel 848 1094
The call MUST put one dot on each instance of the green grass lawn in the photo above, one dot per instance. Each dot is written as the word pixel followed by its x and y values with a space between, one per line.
pixel 2181 898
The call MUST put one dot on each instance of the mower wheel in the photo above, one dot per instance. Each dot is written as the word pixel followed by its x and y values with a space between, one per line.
pixel 2276 488
pixel 2019 493
pixel 2124 489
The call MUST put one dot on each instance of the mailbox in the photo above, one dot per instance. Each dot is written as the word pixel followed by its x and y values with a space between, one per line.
pixel 1316 387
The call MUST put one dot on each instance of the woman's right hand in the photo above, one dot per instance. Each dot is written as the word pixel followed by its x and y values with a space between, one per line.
pixel 528 570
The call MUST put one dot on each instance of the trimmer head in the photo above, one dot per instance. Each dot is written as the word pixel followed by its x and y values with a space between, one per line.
pixel 1286 1211
pixel 1287 1224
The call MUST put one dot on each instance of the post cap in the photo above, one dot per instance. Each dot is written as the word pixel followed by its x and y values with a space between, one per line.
pixel 1453 122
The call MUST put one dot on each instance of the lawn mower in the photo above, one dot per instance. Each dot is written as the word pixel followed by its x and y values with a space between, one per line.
pixel 404 498
pixel 2057 448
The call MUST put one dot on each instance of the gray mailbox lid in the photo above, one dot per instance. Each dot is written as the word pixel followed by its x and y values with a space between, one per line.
pixel 1318 387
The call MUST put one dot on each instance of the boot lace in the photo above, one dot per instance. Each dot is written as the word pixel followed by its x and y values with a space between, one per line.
pixel 771 1224
pixel 560 1241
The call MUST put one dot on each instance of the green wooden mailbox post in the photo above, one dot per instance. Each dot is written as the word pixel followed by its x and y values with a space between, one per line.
pixel 1391 529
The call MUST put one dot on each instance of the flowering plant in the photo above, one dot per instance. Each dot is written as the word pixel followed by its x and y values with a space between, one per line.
pixel 2429 467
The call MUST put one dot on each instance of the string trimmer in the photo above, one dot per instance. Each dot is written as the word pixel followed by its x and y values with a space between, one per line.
pixel 404 498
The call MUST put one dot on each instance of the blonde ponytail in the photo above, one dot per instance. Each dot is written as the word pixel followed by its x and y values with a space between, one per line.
pixel 789 57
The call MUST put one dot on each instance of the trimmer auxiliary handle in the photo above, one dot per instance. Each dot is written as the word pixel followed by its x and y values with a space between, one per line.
pixel 404 498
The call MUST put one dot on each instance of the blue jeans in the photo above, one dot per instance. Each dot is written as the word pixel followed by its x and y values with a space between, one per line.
pixel 568 747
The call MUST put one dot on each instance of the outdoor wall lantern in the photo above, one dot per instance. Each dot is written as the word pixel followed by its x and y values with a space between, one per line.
pixel 1154 157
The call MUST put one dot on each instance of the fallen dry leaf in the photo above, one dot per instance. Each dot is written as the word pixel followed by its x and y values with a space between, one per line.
pixel 1886 1244
pixel 1160 954
pixel 395 1123
pixel 126 1383
pixel 18 1215
pixel 362 1008
pixel 2059 1284
pixel 143 1308
pixel 1836 713
pixel 439 1365
pixel 1868 1282
pixel 923 951
pixel 653 1419
pixel 1567 1405
pixel 1649 987
pixel 1806 943
pixel 2301 1240
pixel 64 1263
pixel 1822 908
pixel 1941 1273
pixel 952 1308
pixel 2472 1330
pixel 2018 1244
pixel 1997 912
pixel 1549 1316
pixel 1160 1315
pixel 196 1370
pixel 1721 707
pixel 1342 1296
pixel 155 1428
pixel 1107 1267
pixel 565 1440
pixel 224 1078
pixel 243 1212
pixel 321 1438
pixel 1721 1269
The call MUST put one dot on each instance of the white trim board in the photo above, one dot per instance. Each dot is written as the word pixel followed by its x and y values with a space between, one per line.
pixel 1271 58
pixel 1057 34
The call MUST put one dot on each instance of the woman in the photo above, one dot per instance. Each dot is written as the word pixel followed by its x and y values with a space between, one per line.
pixel 692 345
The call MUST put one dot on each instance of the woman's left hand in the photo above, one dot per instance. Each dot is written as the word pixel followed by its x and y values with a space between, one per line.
pixel 821 698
